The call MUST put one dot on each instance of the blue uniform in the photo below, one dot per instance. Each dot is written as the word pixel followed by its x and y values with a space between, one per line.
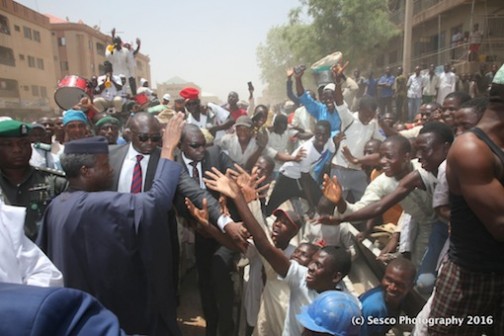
pixel 116 246
pixel 29 310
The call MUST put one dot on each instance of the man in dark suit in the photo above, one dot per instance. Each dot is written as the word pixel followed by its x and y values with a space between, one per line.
pixel 30 310
pixel 143 151
pixel 116 245
pixel 214 262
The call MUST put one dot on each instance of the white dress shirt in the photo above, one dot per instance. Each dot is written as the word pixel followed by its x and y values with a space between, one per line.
pixel 127 168
pixel 188 163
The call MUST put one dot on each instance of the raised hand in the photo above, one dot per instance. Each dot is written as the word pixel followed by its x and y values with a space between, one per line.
pixel 201 215
pixel 219 182
pixel 171 136
pixel 238 233
pixel 331 189
pixel 223 206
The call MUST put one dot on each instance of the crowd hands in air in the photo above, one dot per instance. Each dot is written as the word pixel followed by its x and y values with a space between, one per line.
pixel 293 188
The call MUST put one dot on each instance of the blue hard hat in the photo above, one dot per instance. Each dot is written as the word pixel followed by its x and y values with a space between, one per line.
pixel 332 312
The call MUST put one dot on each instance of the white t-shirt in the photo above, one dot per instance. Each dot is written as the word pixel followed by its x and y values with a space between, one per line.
pixel 231 146
pixel 357 135
pixel 294 169
pixel 110 92
pixel 300 296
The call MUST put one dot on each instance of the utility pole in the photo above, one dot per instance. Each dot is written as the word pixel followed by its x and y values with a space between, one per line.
pixel 408 25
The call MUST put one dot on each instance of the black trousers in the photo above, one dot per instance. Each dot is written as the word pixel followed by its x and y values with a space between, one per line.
pixel 287 188
pixel 215 265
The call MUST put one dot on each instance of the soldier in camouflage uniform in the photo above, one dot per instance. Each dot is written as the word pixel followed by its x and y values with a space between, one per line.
pixel 22 184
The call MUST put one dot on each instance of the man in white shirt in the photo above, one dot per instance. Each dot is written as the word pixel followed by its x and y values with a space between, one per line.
pixel 294 179
pixel 241 146
pixel 109 90
pixel 361 128
pixel 415 87
pixel 430 90
pixel 447 82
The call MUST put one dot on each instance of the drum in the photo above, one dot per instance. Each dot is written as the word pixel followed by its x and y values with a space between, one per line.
pixel 71 89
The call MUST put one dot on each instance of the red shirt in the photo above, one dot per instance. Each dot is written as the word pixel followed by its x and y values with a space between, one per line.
pixel 238 113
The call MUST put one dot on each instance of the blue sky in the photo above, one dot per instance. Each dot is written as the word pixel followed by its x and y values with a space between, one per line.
pixel 212 43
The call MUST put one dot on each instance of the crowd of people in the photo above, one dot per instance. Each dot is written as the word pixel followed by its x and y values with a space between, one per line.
pixel 109 199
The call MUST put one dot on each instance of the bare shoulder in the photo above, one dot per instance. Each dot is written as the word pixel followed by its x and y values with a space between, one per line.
pixel 468 151
pixel 469 162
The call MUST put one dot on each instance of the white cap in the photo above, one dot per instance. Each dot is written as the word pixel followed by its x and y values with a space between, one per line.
pixel 330 86
pixel 167 97
pixel 143 81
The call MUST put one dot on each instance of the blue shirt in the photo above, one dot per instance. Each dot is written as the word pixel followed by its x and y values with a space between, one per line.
pixel 373 305
pixel 386 91
pixel 371 87
pixel 320 112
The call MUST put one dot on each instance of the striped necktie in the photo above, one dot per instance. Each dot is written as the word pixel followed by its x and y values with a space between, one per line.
pixel 136 181
pixel 195 172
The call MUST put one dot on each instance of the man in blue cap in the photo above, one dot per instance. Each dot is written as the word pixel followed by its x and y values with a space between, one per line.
pixel 20 183
pixel 113 245
pixel 75 124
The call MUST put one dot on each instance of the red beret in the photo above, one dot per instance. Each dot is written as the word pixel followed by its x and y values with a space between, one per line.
pixel 189 93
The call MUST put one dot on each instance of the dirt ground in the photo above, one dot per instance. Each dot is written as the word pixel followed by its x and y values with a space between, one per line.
pixel 189 315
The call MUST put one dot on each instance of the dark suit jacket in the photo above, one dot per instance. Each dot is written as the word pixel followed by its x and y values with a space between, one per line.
pixel 28 310
pixel 186 187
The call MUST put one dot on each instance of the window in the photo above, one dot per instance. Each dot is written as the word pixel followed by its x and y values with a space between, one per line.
pixel 61 41
pixel 40 63
pixel 17 28
pixel 31 61
pixel 35 90
pixel 27 33
pixel 64 66
pixel 21 57
pixel 9 88
pixel 100 49
pixel 7 56
pixel 4 25
pixel 36 35
pixel 43 92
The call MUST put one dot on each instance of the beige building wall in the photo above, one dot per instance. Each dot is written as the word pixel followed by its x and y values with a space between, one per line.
pixel 27 73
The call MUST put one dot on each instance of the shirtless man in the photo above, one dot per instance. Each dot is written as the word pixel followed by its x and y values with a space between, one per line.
pixel 470 284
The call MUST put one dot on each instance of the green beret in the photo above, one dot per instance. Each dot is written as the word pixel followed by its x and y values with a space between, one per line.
pixel 13 129
pixel 107 120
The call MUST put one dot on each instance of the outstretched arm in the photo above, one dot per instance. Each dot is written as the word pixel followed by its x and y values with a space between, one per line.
pixel 217 181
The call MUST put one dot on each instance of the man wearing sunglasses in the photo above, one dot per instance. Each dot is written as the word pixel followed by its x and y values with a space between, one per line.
pixel 134 166
pixel 214 262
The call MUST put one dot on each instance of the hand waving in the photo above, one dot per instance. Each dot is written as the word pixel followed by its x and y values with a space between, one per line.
pixel 331 189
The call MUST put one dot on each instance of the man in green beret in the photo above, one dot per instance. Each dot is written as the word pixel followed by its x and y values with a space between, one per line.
pixel 109 128
pixel 20 183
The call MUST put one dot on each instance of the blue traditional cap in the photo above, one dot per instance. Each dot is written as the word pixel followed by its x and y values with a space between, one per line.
pixel 107 120
pixel 93 145
pixel 74 115
pixel 332 312
pixel 13 129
